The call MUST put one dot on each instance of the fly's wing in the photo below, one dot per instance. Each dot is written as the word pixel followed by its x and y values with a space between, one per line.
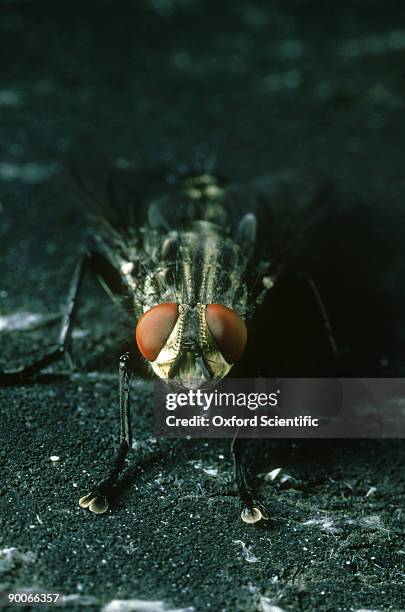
pixel 120 200
pixel 113 197
pixel 288 210
pixel 116 201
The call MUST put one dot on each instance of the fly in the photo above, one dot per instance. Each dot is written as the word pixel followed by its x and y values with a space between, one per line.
pixel 186 255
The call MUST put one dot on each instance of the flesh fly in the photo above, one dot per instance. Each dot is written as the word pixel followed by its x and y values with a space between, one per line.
pixel 193 256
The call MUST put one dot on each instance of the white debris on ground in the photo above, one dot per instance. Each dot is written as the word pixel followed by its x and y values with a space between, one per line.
pixel 334 526
pixel 371 491
pixel 265 605
pixel 247 552
pixel 211 471
pixel 23 321
pixel 77 598
pixel 54 458
pixel 275 474
pixel 270 476
pixel 372 522
pixel 141 605
pixel 286 477
pixel 26 321
pixel 262 603
pixel 325 523
pixel 11 557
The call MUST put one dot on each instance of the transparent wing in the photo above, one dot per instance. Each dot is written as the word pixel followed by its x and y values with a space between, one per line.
pixel 113 198
pixel 288 210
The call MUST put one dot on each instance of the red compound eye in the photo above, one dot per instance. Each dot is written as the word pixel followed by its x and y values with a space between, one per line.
pixel 154 328
pixel 228 329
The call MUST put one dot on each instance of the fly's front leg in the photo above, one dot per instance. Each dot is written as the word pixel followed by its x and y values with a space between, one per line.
pixel 97 500
pixel 28 371
pixel 253 510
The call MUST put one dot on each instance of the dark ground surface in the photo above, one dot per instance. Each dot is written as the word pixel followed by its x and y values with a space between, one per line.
pixel 305 86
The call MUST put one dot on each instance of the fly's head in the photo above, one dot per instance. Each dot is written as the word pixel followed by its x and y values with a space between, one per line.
pixel 190 345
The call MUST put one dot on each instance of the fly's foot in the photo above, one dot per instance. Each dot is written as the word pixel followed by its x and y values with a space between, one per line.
pixel 254 513
pixel 253 510
pixel 98 500
pixel 95 502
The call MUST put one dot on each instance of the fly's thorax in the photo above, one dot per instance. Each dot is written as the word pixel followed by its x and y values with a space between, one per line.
pixel 191 344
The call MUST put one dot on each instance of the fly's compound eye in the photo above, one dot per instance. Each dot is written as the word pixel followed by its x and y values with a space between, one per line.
pixel 228 329
pixel 154 328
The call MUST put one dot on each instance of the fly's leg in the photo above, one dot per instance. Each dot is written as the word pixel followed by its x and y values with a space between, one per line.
pixel 252 510
pixel 28 371
pixel 325 317
pixel 97 500
pixel 100 267
pixel 96 263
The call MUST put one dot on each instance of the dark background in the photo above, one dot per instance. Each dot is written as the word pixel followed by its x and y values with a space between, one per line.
pixel 315 88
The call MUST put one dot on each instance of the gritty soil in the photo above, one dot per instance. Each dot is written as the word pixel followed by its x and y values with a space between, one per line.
pixel 261 87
